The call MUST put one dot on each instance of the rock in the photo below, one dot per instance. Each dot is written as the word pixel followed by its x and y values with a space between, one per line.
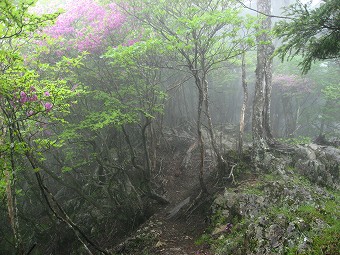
pixel 226 228
pixel 230 199
pixel 304 152
pixel 313 146
pixel 291 230
pixel 275 235
pixel 319 164
pixel 281 219
pixel 301 225
pixel 320 224
pixel 263 221
pixel 275 215
pixel 159 244
pixel 225 213
pixel 304 245
pixel 220 201
pixel 258 233
pixel 173 212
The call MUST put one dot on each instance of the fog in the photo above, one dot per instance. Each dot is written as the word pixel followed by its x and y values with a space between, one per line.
pixel 114 114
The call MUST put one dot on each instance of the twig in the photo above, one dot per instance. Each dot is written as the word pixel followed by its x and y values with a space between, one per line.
pixel 265 14
pixel 32 248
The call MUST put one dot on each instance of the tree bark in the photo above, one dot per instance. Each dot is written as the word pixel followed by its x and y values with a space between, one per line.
pixel 261 104
pixel 268 90
pixel 244 105
pixel 10 190
pixel 200 139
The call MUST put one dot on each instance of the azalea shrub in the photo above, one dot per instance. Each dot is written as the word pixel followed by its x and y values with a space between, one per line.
pixel 83 25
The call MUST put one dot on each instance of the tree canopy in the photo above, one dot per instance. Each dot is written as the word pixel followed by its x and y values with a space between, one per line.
pixel 313 33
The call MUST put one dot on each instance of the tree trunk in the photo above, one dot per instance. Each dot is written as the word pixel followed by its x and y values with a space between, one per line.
pixel 220 159
pixel 200 139
pixel 261 128
pixel 10 180
pixel 146 180
pixel 244 105
pixel 58 211
pixel 268 90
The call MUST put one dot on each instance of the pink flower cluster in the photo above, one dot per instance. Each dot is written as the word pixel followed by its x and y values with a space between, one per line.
pixel 292 83
pixel 32 97
pixel 86 25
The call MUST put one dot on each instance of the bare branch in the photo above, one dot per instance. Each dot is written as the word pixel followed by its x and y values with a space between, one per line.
pixel 265 14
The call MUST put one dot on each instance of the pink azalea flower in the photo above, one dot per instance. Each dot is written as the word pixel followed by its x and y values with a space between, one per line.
pixel 23 97
pixel 48 106
pixel 87 25
pixel 33 98
pixel 30 113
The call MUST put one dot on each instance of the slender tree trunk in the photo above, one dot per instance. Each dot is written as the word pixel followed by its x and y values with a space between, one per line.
pixel 262 88
pixel 153 146
pixel 10 180
pixel 244 105
pixel 203 103
pixel 49 198
pixel 268 90
pixel 146 172
pixel 200 139
pixel 185 103
pixel 59 212
pixel 12 210
pixel 216 150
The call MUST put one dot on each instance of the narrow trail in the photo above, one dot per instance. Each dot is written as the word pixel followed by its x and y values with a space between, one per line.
pixel 179 230
pixel 171 230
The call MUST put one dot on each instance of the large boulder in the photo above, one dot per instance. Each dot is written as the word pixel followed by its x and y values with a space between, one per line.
pixel 320 164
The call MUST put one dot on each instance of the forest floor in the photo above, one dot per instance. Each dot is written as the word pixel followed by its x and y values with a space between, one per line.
pixel 176 230
pixel 172 230
pixel 180 229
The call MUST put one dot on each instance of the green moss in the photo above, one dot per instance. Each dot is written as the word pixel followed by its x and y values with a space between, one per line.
pixel 324 243
pixel 269 178
pixel 328 211
pixel 301 180
pixel 318 220
pixel 309 212
pixel 296 140
pixel 328 241
pixel 292 251
pixel 204 239
pixel 217 219
pixel 256 188
pixel 283 210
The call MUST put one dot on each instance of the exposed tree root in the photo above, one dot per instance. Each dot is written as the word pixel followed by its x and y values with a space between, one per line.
pixel 160 199
pixel 231 174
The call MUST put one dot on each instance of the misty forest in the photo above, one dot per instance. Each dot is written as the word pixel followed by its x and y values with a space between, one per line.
pixel 171 127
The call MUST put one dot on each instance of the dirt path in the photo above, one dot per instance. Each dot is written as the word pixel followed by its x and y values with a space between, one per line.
pixel 178 230
pixel 177 237
pixel 171 231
